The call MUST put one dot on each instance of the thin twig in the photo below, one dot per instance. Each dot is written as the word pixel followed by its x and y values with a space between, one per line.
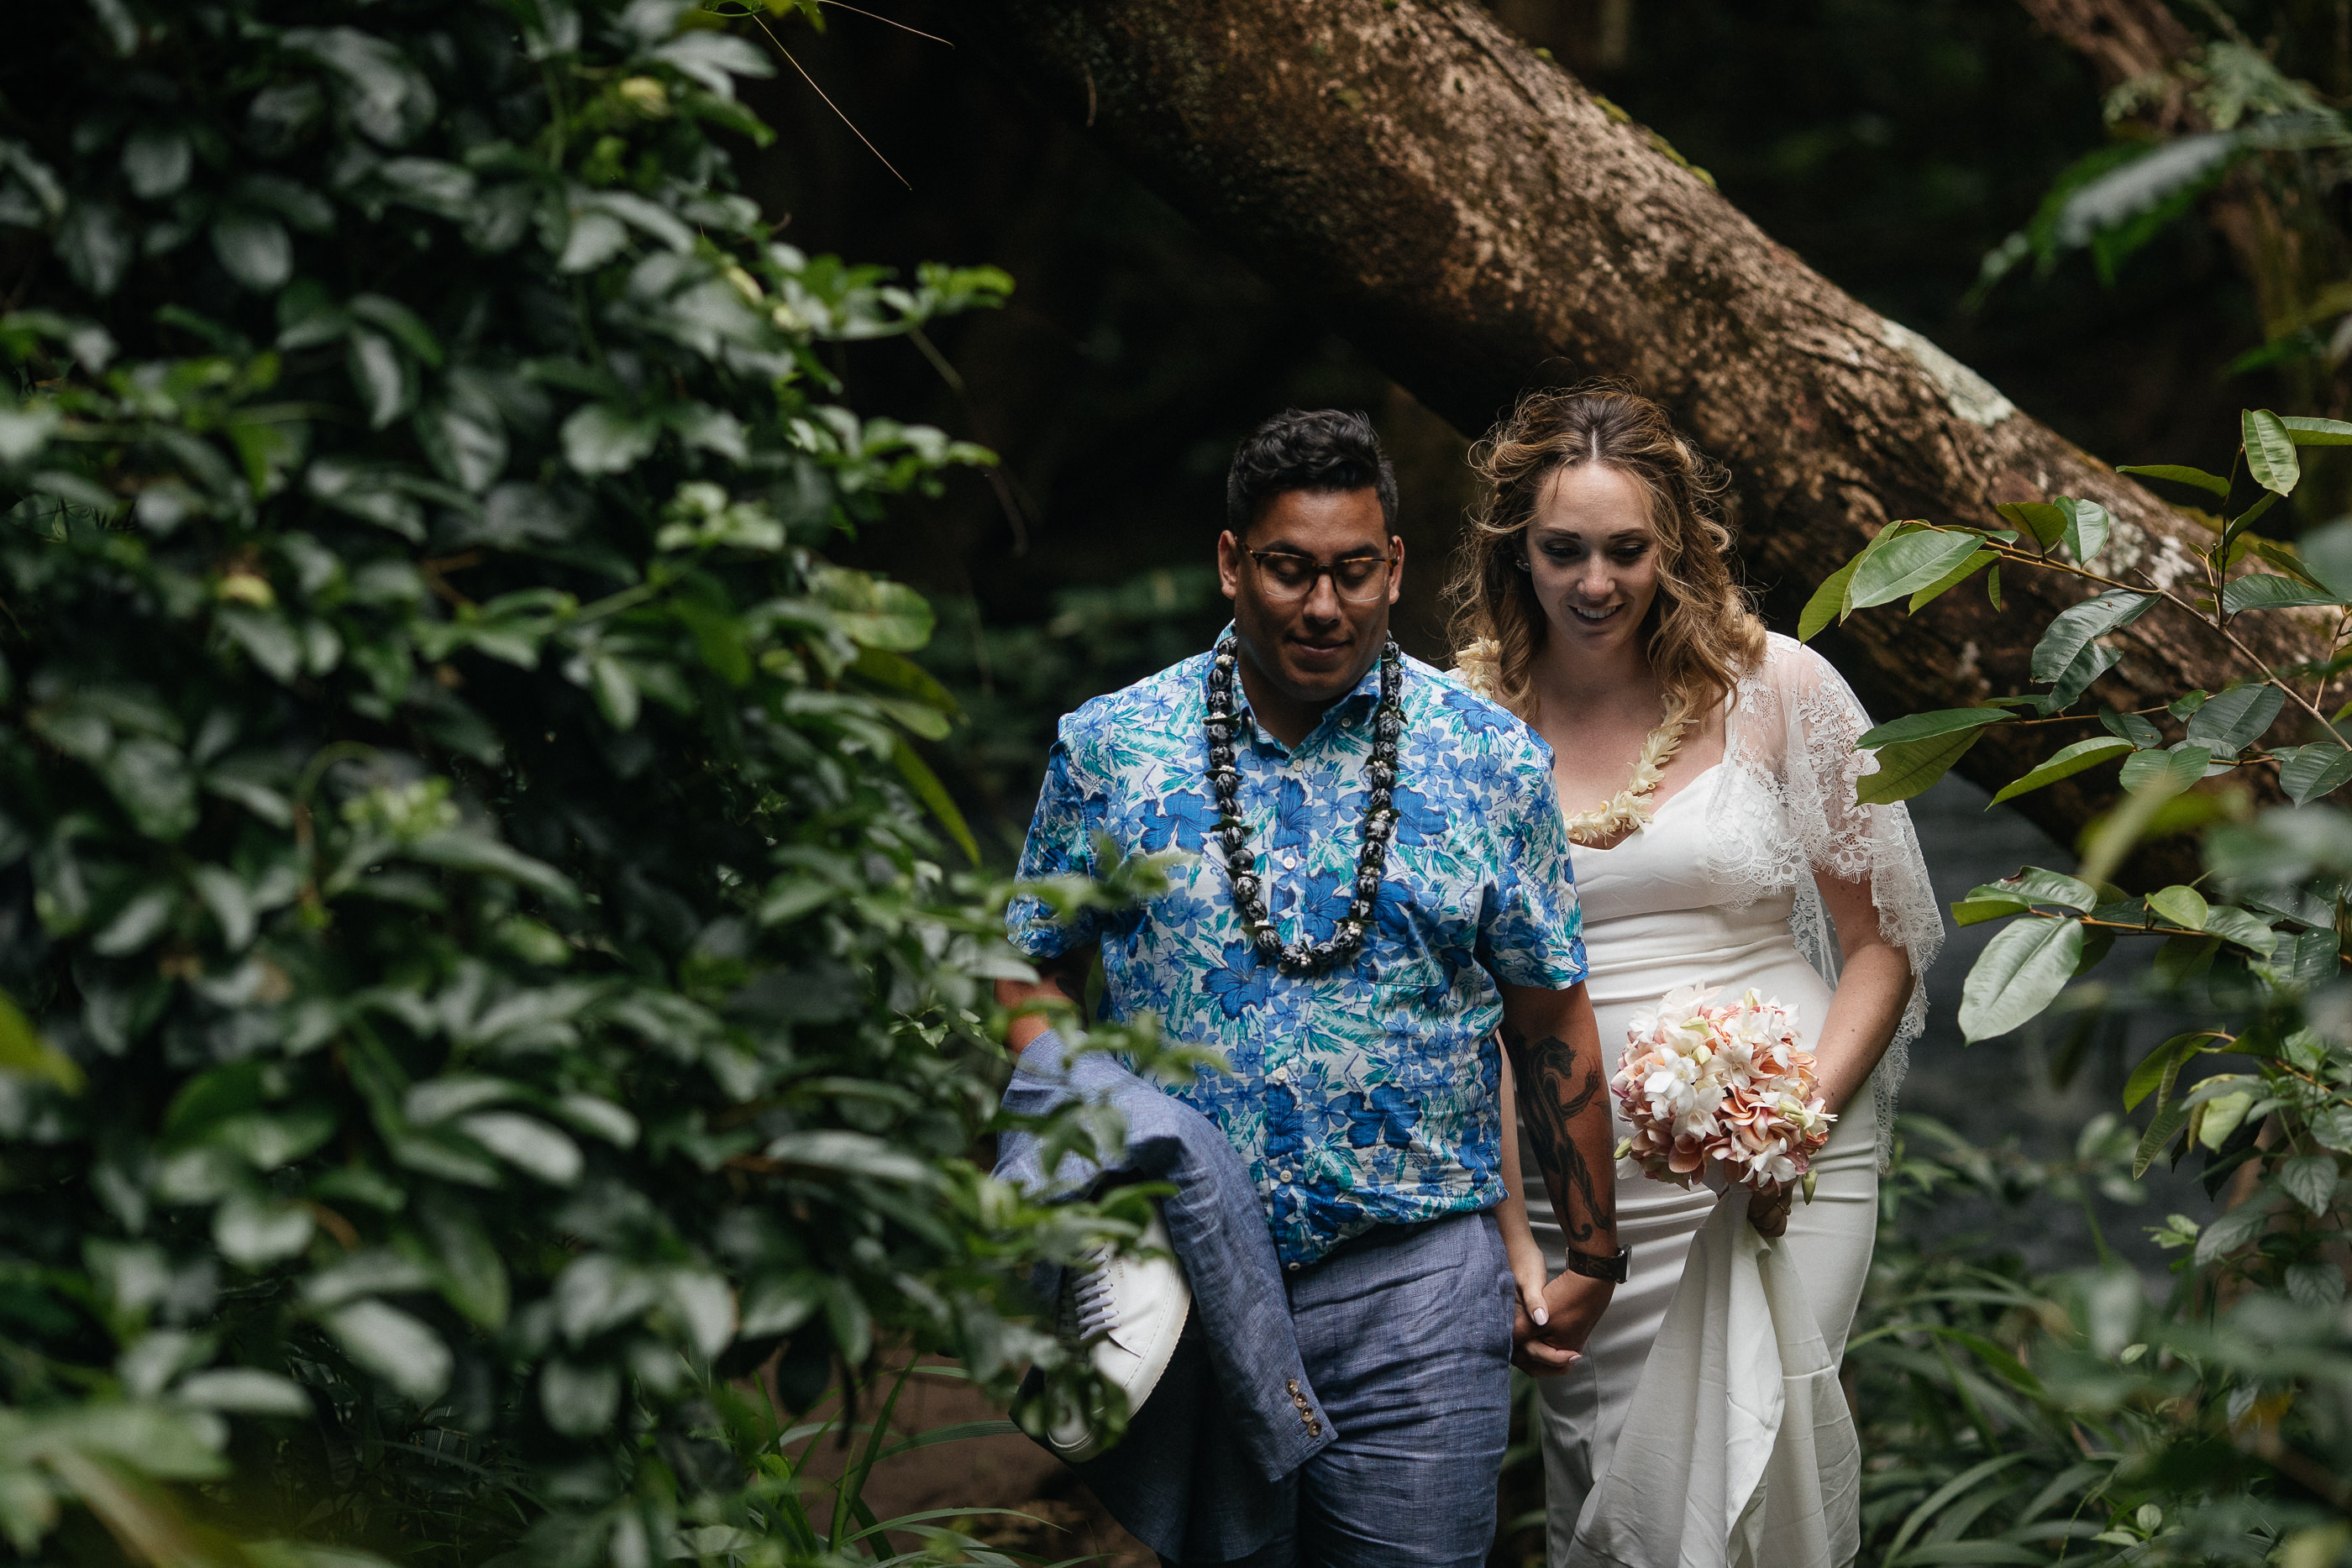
pixel 877 15
pixel 762 21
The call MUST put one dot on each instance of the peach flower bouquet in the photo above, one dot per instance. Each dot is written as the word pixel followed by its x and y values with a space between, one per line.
pixel 1720 1095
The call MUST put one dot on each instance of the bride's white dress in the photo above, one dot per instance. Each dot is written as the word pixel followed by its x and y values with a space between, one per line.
pixel 1705 1427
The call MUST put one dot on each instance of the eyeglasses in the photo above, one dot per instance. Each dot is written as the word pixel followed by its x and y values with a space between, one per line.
pixel 1290 577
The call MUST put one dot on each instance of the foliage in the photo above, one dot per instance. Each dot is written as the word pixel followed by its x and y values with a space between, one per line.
pixel 484 974
pixel 2218 1429
pixel 1014 681
pixel 2228 132
pixel 2013 1419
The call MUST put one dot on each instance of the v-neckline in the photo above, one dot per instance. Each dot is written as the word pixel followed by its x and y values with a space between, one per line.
pixel 1655 813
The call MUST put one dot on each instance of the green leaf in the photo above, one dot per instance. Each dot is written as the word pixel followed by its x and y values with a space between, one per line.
pixel 1911 564
pixel 2077 626
pixel 604 438
pixel 2223 1113
pixel 404 325
pixel 2270 591
pixel 1925 726
pixel 935 798
pixel 389 1344
pixel 2310 1180
pixel 577 1400
pixel 2159 1067
pixel 2167 772
pixel 1827 602
pixel 254 248
pixel 1952 578
pixel 155 160
pixel 252 1231
pixel 243 1391
pixel 2063 764
pixel 526 1143
pixel 2184 906
pixel 94 243
pixel 2248 931
pixel 2270 451
pixel 2035 885
pixel 23 1051
pixel 2307 431
pixel 2045 523
pixel 2211 482
pixel 2326 554
pixel 2087 525
pixel 2131 727
pixel 2021 969
pixel 2308 773
pixel 380 378
pixel 2226 724
pixel 471 1274
pixel 2161 1130
pixel 1908 767
pixel 1977 911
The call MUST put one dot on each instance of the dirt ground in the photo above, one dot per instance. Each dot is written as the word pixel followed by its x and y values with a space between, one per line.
pixel 1020 1497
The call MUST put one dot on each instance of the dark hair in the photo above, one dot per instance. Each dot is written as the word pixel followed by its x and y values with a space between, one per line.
pixel 1306 449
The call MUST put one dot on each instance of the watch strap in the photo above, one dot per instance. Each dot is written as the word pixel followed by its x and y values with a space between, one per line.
pixel 1609 1266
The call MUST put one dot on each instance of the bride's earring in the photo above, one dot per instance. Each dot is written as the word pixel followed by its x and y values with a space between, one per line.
pixel 1522 564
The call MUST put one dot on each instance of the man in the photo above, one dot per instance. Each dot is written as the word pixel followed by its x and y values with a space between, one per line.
pixel 1380 875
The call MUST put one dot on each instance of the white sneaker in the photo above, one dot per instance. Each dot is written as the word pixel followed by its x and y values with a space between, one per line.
pixel 1128 1313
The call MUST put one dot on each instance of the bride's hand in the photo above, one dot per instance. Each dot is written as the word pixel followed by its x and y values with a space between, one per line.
pixel 1532 1352
pixel 1769 1216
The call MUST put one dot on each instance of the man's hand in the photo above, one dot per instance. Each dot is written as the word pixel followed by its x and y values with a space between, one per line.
pixel 1061 979
pixel 1575 1303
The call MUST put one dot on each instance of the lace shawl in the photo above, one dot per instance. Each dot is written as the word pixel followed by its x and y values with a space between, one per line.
pixel 1790 733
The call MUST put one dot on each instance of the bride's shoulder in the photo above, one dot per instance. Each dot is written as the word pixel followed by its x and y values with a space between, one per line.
pixel 1788 664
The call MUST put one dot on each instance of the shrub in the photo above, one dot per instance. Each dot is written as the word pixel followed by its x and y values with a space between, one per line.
pixel 484 968
pixel 2082 1420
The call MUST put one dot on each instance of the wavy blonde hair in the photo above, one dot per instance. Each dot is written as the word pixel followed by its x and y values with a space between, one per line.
pixel 1701 634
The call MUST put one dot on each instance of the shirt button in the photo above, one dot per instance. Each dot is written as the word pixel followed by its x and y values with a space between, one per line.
pixel 1292 1266
pixel 1279 1075
pixel 1289 861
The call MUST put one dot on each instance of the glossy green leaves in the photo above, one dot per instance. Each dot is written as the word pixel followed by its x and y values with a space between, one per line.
pixel 2065 764
pixel 2020 971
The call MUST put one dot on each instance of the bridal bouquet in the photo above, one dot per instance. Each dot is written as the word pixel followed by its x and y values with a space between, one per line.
pixel 1720 1094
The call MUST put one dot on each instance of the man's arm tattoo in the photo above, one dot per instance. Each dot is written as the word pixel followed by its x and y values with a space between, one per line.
pixel 1555 1089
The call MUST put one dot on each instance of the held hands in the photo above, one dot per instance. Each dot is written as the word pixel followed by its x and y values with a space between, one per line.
pixel 1769 1213
pixel 1551 1320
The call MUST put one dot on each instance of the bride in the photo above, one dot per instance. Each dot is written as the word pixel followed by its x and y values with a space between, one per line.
pixel 1702 1425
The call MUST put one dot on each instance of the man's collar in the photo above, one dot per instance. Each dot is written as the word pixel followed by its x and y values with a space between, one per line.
pixel 1356 706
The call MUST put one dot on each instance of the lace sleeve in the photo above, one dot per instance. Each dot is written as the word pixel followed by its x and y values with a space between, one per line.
pixel 1793 728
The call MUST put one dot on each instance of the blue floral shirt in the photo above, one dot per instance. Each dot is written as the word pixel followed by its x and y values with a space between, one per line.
pixel 1360 1097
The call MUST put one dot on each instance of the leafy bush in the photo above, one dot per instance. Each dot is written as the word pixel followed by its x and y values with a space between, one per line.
pixel 484 974
pixel 2218 1429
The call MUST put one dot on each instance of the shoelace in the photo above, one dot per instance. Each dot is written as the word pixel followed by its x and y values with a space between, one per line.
pixel 1091 1295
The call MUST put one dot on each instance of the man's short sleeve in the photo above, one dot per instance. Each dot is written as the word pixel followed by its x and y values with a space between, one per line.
pixel 1532 931
pixel 1060 844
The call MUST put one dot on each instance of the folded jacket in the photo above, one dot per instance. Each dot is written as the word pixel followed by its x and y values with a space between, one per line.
pixel 1200 1475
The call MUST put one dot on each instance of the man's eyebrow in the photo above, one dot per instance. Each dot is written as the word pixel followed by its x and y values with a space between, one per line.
pixel 1359 552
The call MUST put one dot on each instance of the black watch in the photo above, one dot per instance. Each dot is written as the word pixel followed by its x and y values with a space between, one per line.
pixel 1609 1266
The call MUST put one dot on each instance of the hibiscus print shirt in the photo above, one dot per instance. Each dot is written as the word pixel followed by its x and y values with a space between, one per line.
pixel 1359 1096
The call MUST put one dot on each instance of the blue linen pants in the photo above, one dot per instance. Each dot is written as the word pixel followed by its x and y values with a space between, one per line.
pixel 1406 1336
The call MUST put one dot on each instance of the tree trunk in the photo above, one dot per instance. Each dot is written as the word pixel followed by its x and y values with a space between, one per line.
pixel 1477 221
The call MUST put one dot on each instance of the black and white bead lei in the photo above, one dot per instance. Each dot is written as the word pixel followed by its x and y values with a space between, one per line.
pixel 1222 727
